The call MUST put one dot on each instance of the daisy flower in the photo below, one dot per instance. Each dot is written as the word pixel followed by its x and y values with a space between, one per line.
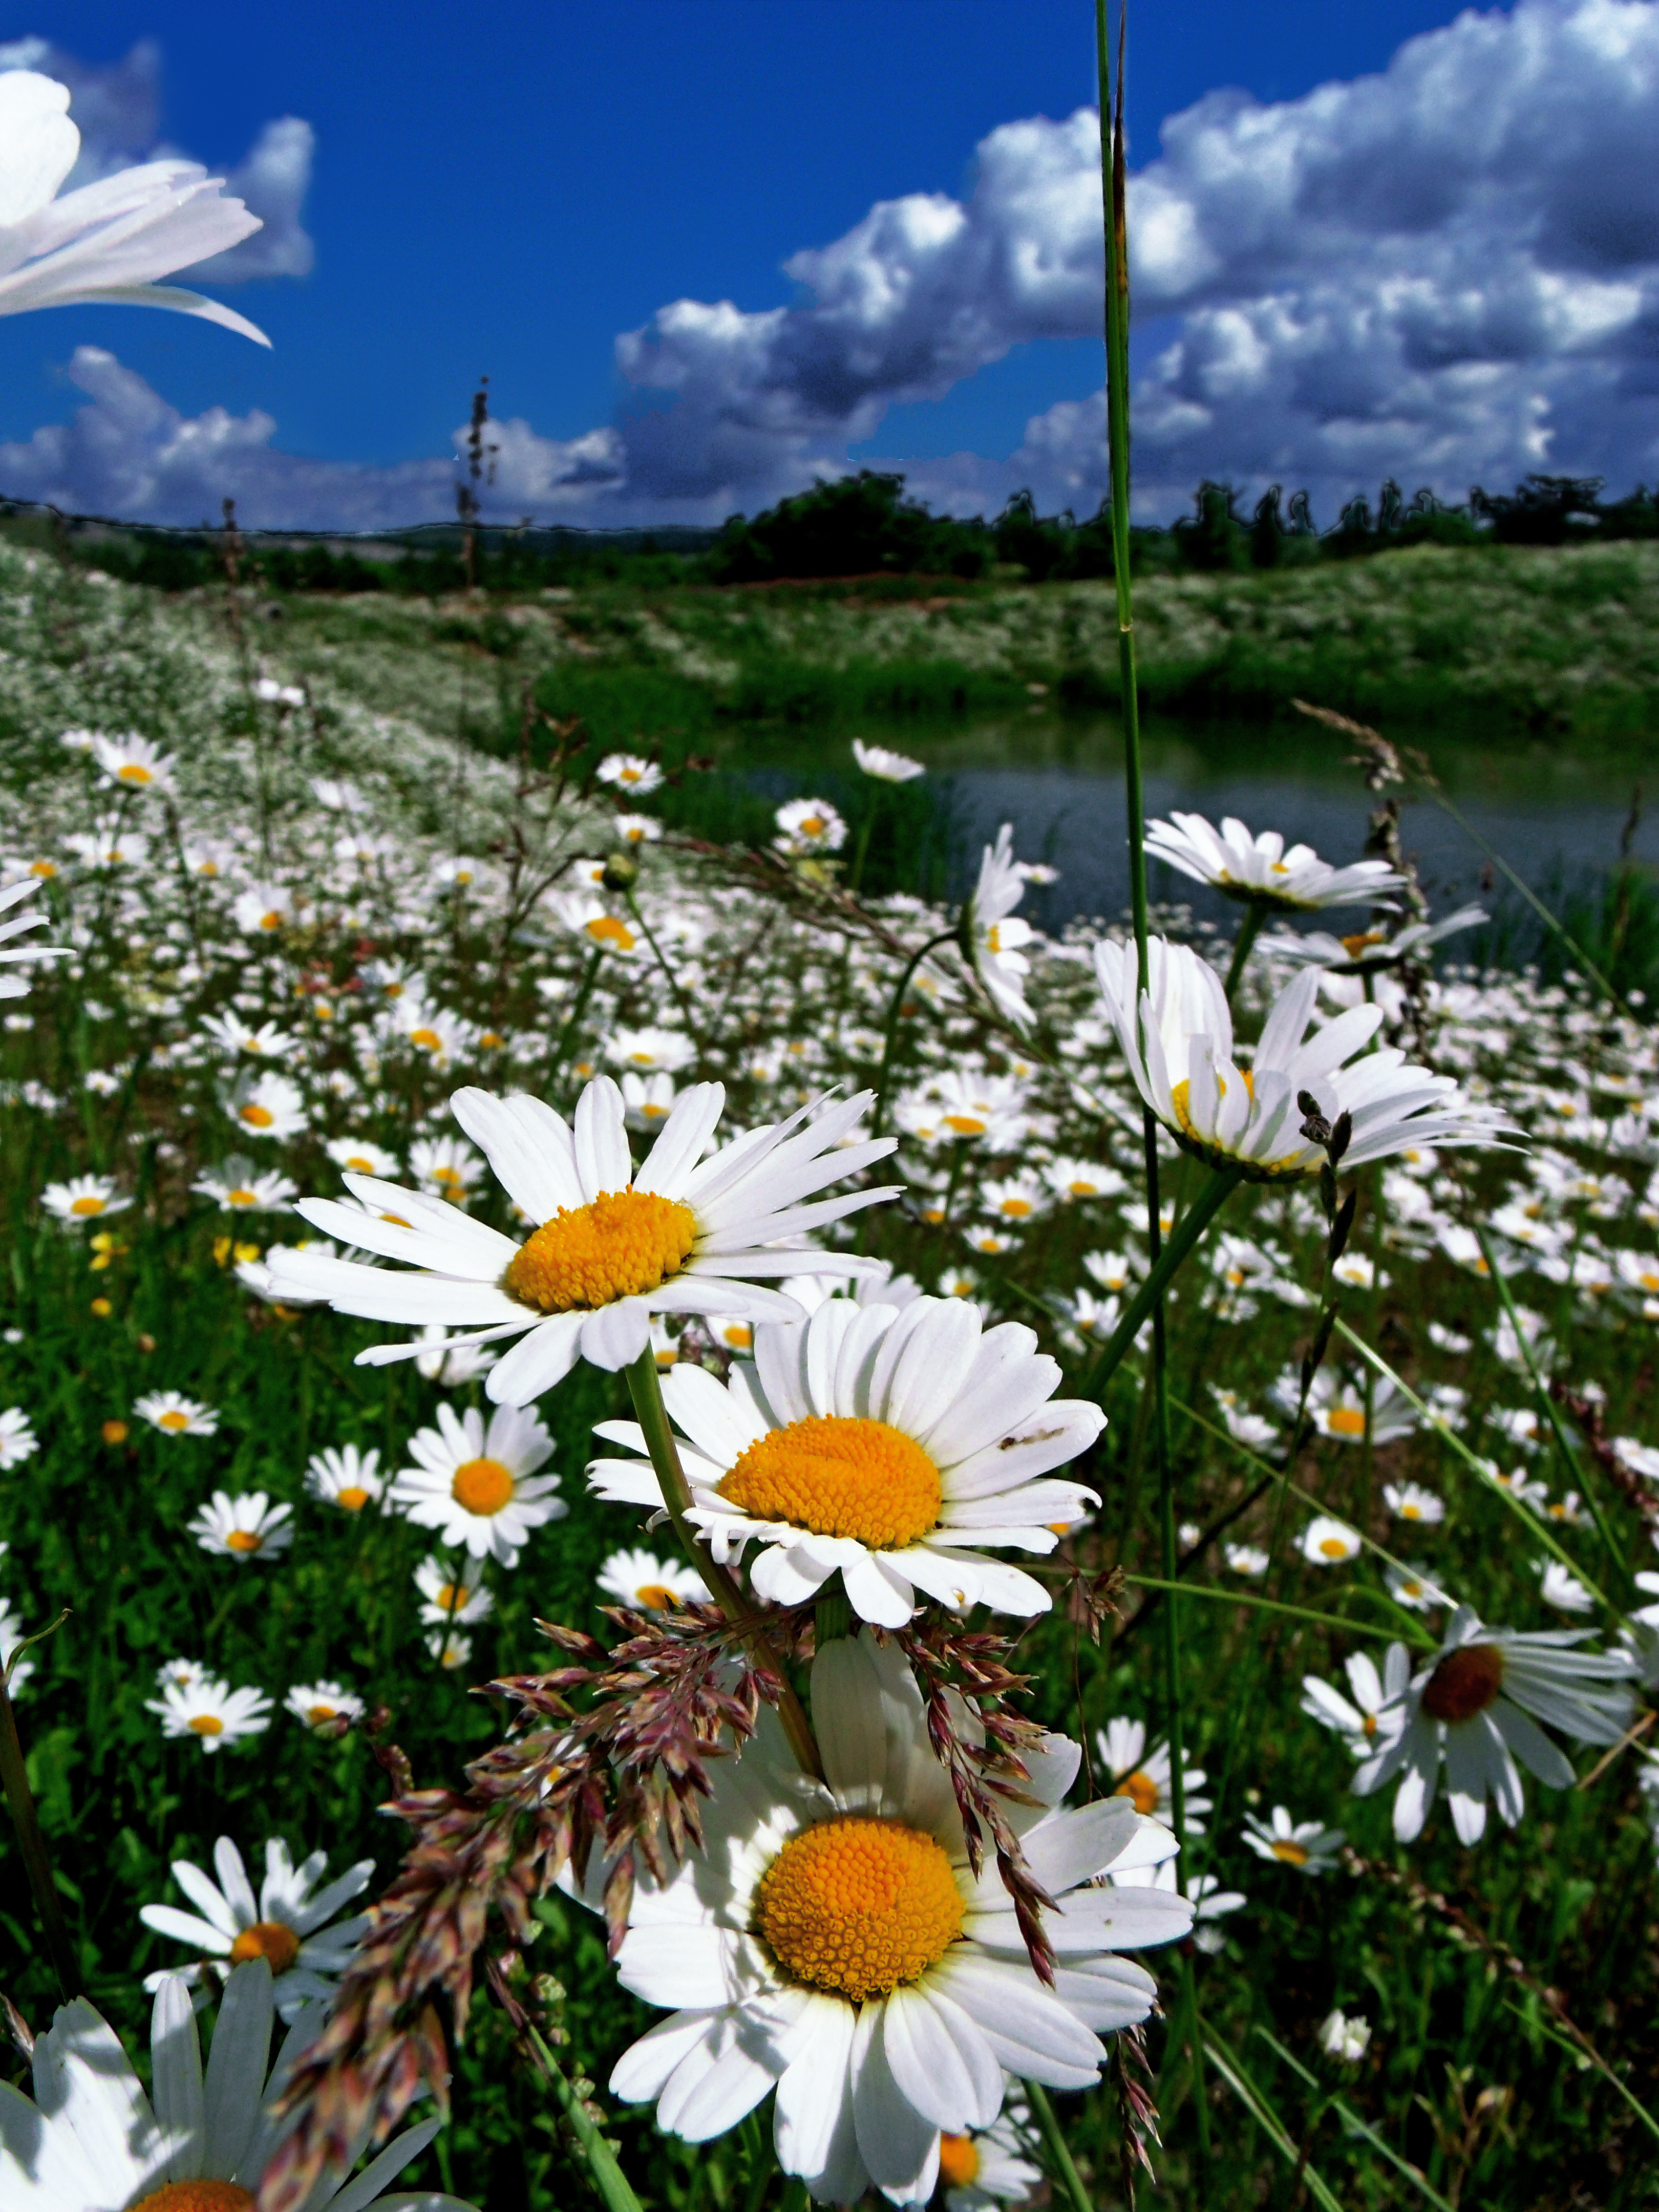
pixel 1476 1707
pixel 1336 1407
pixel 238 1189
pixel 629 773
pixel 641 1580
pixel 1409 1501
pixel 1328 1543
pixel 479 1487
pixel 242 1528
pixel 449 1648
pixel 209 1709
pixel 828 1939
pixel 1414 1587
pixel 273 1106
pixel 667 1050
pixel 86 1198
pixel 322 1706
pixel 1304 1845
pixel 647 1100
pixel 886 767
pixel 686 1234
pixel 809 826
pixel 263 908
pixel 1016 1198
pixel 108 241
pixel 988 2168
pixel 1144 1777
pixel 133 761
pixel 445 1167
pixel 1344 2038
pixel 1359 1721
pixel 361 1156
pixel 1245 1558
pixel 176 1415
pixel 1370 952
pixel 453 1597
pixel 884 1444
pixel 343 1476
pixel 17 987
pixel 1083 1179
pixel 288 1924
pixel 992 934
pixel 449 1362
pixel 1259 871
pixel 1251 1123
pixel 1560 1587
pixel 593 918
pixel 235 1036
pixel 93 2139
pixel 17 1438
pixel 637 828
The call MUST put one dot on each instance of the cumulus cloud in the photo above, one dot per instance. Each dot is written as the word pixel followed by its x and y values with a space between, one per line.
pixel 117 110
pixel 1447 272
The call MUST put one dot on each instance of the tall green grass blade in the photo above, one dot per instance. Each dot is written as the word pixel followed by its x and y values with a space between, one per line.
pixel 1255 2102
pixel 1354 2125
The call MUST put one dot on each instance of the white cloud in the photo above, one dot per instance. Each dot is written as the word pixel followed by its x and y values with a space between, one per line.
pixel 117 110
pixel 1447 272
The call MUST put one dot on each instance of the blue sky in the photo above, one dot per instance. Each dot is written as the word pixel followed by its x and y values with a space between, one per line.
pixel 509 193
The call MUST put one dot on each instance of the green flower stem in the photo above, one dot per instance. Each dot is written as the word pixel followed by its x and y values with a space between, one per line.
pixel 1186 1234
pixel 1264 1605
pixel 566 1035
pixel 669 976
pixel 1551 1411
pixel 32 1848
pixel 895 1011
pixel 1535 1526
pixel 1053 2142
pixel 1255 916
pixel 608 2180
pixel 832 1617
pixel 645 1387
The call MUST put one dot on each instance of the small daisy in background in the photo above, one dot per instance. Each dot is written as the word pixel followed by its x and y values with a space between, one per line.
pixel 176 1415
pixel 994 935
pixel 1330 1543
pixel 477 1486
pixel 450 1362
pixel 1344 2038
pixel 885 766
pixel 239 1187
pixel 1144 1777
pixel 1306 1846
pixel 1414 1587
pixel 641 1580
pixel 271 1106
pixel 328 1709
pixel 358 1155
pixel 342 1475
pixel 1260 871
pixel 17 1437
pixel 287 1925
pixel 629 772
pixel 1245 1558
pixel 450 1647
pixel 1560 1587
pixel 85 1198
pixel 1211 1904
pixel 637 828
pixel 1409 1501
pixel 133 762
pixel 991 2167
pixel 454 1596
pixel 809 827
pixel 207 1708
pixel 245 1527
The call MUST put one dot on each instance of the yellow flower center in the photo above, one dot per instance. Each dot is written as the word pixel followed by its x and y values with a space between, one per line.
pixel 657 1595
pixel 1016 1208
pixel 1411 1512
pixel 448 1177
pixel 958 2161
pixel 1333 1547
pixel 858 1906
pixel 115 1432
pixel 207 1724
pixel 1140 1789
pixel 173 1421
pixel 359 1165
pixel 838 1476
pixel 1346 1420
pixel 628 774
pixel 622 1244
pixel 965 1124
pixel 320 1715
pixel 1291 1854
pixel 482 1486
pixel 243 1539
pixel 85 1207
pixel 1368 1726
pixel 257 1116
pixel 198 2197
pixel 241 1198
pixel 1465 1683
pixel 272 920
pixel 132 772
pixel 1076 1190
pixel 610 929
pixel 737 1335
pixel 267 1939
pixel 1360 942
pixel 428 1040
pixel 42 868
pixel 353 1498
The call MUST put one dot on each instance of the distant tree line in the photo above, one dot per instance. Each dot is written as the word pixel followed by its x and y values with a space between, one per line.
pixel 860 528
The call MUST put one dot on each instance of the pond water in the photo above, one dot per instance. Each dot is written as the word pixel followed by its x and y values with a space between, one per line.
pixel 1558 817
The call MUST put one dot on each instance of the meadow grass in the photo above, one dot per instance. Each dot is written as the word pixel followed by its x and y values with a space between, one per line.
pixel 1472 2089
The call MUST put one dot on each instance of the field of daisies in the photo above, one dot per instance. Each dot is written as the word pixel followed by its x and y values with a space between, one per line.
pixel 630 1554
